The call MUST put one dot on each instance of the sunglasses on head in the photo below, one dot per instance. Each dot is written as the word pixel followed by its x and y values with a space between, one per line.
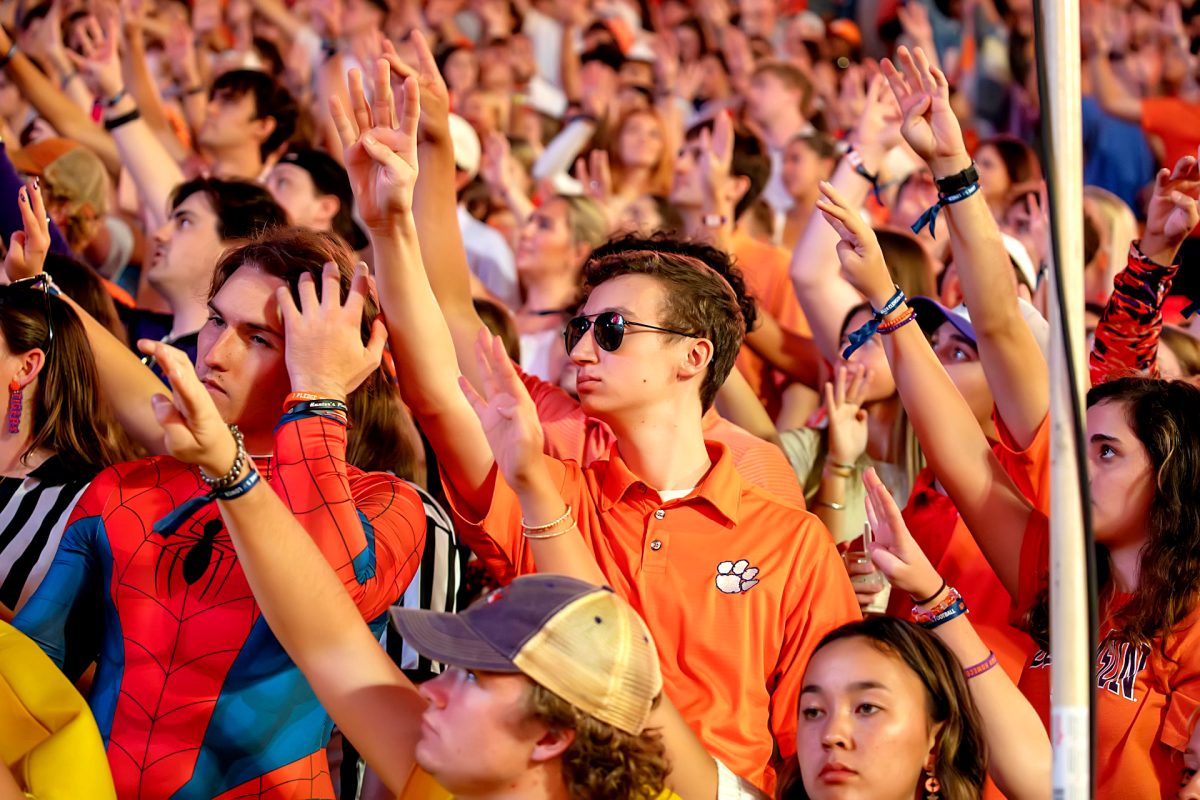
pixel 609 330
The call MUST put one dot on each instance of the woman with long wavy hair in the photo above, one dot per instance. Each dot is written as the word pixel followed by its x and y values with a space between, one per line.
pixel 56 434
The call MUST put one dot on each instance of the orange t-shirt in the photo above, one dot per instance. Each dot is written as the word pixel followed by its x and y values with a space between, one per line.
pixel 736 586
pixel 767 270
pixel 1144 697
pixel 950 547
pixel 574 436
pixel 1176 122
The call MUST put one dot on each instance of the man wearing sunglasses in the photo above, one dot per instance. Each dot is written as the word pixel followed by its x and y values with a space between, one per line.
pixel 735 585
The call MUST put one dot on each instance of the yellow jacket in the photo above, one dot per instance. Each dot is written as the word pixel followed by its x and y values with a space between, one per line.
pixel 48 738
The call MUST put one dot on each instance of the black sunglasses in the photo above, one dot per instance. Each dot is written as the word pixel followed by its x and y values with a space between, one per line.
pixel 45 285
pixel 609 330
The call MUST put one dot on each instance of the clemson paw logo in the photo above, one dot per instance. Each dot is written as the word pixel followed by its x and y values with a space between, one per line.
pixel 735 577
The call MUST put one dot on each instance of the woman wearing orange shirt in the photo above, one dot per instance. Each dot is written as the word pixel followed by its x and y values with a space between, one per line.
pixel 1144 473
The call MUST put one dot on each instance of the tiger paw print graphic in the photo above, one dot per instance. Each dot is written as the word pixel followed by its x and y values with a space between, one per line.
pixel 736 577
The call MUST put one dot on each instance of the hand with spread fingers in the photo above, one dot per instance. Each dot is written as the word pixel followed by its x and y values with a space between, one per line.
pixel 100 61
pixel 862 261
pixel 930 126
pixel 27 249
pixel 434 123
pixel 325 353
pixel 894 551
pixel 193 430
pixel 844 397
pixel 379 146
pixel 1172 211
pixel 507 413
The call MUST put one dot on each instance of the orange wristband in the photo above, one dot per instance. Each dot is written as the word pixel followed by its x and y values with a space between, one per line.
pixel 299 397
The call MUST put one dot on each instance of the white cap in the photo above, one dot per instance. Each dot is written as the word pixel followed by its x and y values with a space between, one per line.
pixel 467 150
pixel 1020 258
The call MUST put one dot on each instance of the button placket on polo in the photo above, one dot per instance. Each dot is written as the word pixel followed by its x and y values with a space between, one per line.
pixel 656 542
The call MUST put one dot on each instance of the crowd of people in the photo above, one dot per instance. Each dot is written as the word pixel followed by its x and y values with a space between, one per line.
pixel 522 399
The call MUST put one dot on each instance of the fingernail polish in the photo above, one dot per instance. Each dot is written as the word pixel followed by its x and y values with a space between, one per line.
pixel 37 183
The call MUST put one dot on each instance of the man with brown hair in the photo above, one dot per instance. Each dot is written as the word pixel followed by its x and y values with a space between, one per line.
pixel 777 103
pixel 672 525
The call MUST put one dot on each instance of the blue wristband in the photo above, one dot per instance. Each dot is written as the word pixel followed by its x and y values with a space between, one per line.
pixel 868 329
pixel 240 488
pixel 930 216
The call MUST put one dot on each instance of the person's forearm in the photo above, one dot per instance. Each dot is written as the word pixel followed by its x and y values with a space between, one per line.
pixel 795 355
pixel 1018 747
pixel 1113 96
pixel 569 67
pixel 1127 336
pixel 435 210
pixel 278 14
pixel 824 294
pixel 1012 360
pixel 737 403
pixel 563 149
pixel 956 448
pixel 315 621
pixel 565 554
pixel 144 90
pixel 60 111
pixel 830 502
pixel 154 171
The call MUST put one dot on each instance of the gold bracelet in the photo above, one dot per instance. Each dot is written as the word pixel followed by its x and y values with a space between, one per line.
pixel 833 506
pixel 535 528
pixel 551 535
pixel 839 470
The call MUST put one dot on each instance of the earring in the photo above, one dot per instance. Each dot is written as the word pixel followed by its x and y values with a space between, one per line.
pixel 15 399
pixel 932 786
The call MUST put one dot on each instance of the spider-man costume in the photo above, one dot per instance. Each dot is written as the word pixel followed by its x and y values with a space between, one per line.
pixel 194 696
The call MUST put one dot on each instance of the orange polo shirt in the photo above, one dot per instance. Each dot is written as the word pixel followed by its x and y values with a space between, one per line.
pixel 574 436
pixel 950 547
pixel 767 270
pixel 736 586
pixel 1145 697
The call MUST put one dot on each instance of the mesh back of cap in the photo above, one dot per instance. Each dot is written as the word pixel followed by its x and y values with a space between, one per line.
pixel 597 654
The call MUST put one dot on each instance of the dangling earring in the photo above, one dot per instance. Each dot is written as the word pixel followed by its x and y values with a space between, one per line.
pixel 15 399
pixel 932 786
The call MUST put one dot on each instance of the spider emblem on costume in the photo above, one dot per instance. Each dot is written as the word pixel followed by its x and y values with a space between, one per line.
pixel 193 550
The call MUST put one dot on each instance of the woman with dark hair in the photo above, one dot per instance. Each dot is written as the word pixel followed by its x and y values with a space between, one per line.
pixel 1143 441
pixel 56 435
pixel 1004 162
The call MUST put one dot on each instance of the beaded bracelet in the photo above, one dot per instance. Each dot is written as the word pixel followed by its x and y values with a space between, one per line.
pixel 975 670
pixel 526 527
pixel 239 460
pixel 892 327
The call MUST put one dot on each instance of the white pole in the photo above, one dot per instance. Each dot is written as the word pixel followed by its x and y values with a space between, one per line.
pixel 1070 645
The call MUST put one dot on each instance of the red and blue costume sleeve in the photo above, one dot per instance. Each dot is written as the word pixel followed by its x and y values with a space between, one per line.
pixel 1126 342
pixel 194 696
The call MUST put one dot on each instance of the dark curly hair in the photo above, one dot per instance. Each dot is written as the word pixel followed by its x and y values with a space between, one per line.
pixel 699 299
pixel 960 752
pixel 602 762
pixel 1163 416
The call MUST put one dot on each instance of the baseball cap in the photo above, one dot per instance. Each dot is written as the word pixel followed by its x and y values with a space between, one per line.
pixel 581 642
pixel 1019 255
pixel 931 314
pixel 329 177
pixel 467 150
pixel 71 170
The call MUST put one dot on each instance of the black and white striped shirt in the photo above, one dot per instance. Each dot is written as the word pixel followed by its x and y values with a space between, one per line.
pixel 33 513
pixel 437 585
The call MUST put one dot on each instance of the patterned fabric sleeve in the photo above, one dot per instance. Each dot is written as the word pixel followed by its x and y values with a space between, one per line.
pixel 369 526
pixel 1126 342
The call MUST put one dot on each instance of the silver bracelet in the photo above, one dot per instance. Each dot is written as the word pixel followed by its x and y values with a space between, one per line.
pixel 239 461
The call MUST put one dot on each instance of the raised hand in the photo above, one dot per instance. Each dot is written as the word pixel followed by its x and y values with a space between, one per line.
pixel 44 39
pixel 595 175
pixel 434 124
pixel 27 248
pixel 844 395
pixel 862 260
pixel 193 430
pixel 100 62
pixel 1172 211
pixel 929 125
pixel 379 147
pixel 895 553
pixel 507 413
pixel 879 119
pixel 325 352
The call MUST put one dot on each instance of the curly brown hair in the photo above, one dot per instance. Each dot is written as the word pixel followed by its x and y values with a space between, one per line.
pixel 602 762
